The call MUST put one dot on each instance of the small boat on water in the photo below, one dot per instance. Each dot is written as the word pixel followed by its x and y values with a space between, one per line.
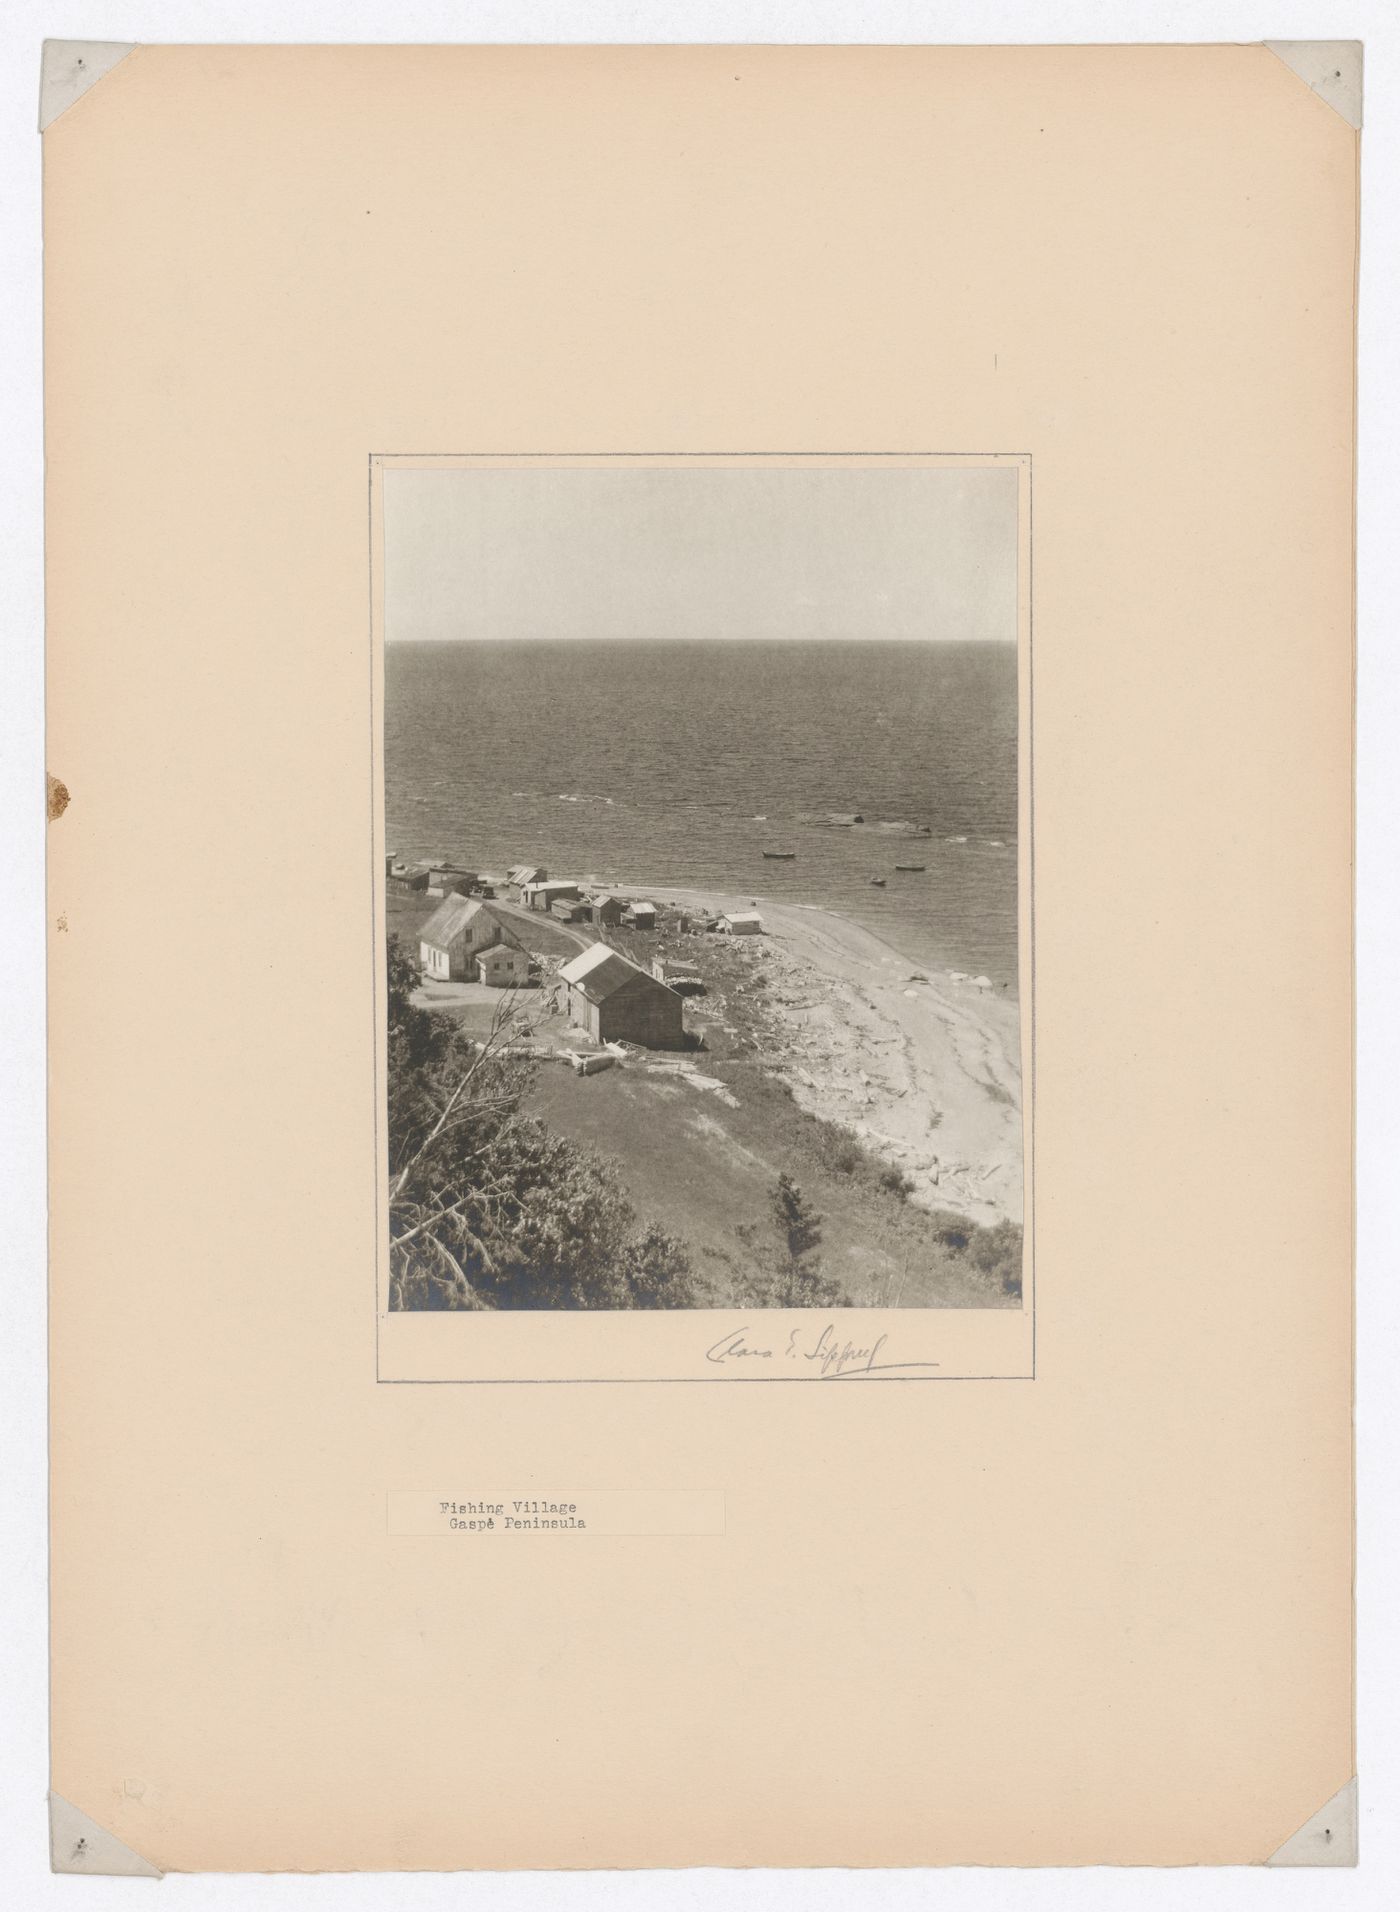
pixel 780 856
pixel 877 882
pixel 910 866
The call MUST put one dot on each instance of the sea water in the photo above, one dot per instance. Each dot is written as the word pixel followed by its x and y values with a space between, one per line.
pixel 679 763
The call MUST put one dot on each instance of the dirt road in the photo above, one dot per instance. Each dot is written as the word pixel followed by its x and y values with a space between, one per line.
pixel 583 936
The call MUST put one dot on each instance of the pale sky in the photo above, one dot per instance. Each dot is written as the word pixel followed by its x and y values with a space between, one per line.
pixel 701 552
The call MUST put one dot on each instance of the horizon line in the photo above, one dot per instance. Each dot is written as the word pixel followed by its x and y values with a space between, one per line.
pixel 719 638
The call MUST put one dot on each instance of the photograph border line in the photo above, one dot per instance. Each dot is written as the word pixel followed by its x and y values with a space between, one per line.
pixel 1029 1105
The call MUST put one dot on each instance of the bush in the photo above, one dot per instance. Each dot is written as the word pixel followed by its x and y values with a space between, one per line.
pixel 997 1253
pixel 953 1232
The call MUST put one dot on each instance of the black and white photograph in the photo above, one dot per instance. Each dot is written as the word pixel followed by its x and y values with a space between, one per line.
pixel 753 642
pixel 702 830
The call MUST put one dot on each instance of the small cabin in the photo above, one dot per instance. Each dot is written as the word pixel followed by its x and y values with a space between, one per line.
pixel 640 915
pixel 570 909
pixel 542 896
pixel 607 911
pixel 745 923
pixel 449 879
pixel 503 966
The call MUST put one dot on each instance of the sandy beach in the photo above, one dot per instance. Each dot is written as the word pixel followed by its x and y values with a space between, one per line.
pixel 923 1066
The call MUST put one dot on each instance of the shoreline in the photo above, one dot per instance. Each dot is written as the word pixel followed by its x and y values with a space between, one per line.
pixel 915 1061
pixel 923 1067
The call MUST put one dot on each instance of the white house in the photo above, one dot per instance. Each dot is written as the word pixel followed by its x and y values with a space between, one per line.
pixel 455 935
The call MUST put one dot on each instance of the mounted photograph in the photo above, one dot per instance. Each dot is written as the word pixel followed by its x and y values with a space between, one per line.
pixel 699 886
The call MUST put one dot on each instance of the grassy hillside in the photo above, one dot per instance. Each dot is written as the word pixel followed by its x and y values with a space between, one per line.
pixel 709 1170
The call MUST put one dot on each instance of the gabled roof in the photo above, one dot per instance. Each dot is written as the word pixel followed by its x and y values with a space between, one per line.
pixel 600 972
pixel 455 914
pixel 578 967
pixel 448 920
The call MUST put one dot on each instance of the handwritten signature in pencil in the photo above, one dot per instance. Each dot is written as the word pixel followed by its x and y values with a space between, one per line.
pixel 833 1356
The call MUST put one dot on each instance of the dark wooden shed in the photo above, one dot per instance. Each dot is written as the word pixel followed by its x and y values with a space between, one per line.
pixel 615 1001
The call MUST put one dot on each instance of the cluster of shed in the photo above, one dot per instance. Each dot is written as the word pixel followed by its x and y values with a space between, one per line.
pixel 431 877
pixel 469 938
pixel 573 903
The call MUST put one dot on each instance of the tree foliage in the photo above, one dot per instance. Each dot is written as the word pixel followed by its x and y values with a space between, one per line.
pixel 798 1224
pixel 994 1249
pixel 798 1281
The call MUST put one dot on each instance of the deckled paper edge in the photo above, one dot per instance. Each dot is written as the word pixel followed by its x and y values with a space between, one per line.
pixel 1329 1838
pixel 1332 68
pixel 79 1844
pixel 67 68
